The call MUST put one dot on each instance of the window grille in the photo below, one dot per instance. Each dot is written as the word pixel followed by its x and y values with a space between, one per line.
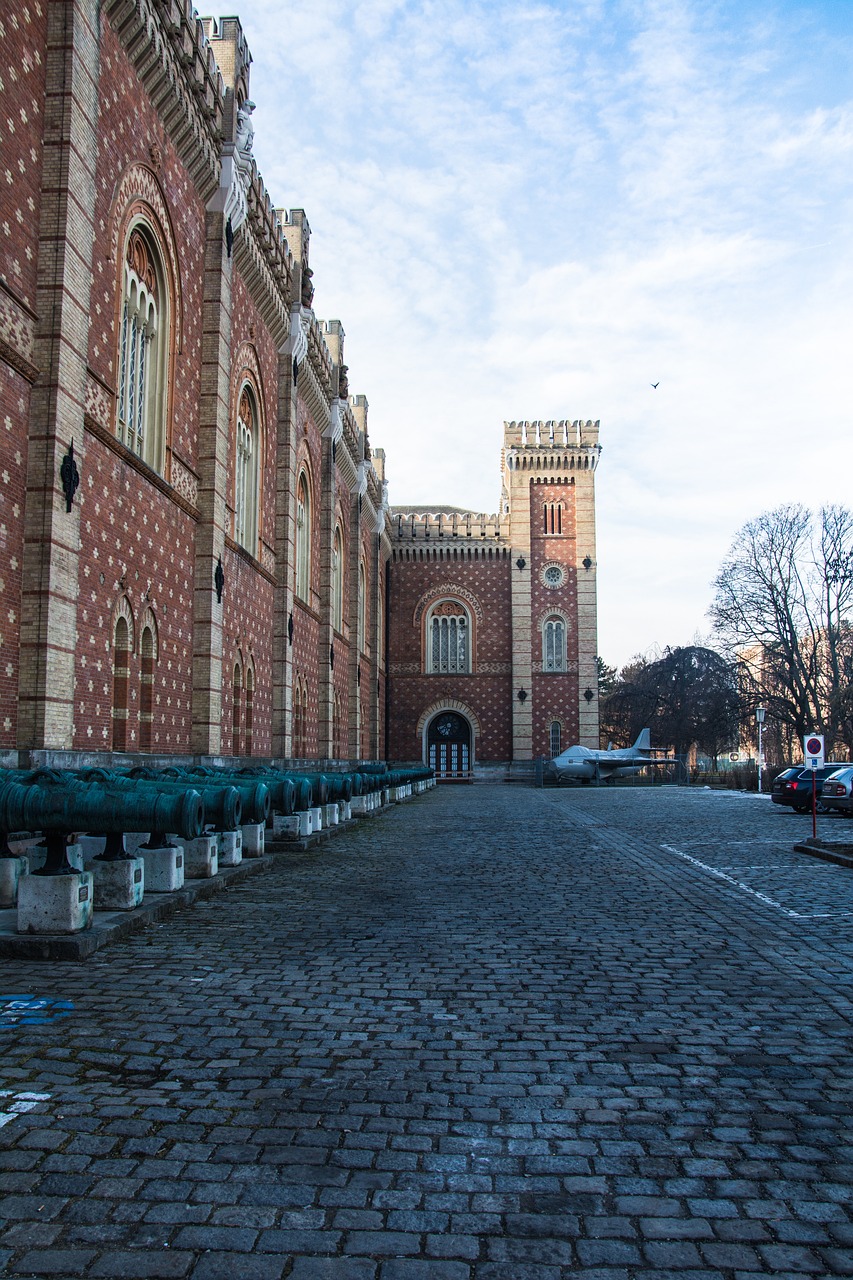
pixel 246 475
pixel 338 583
pixel 303 539
pixel 556 738
pixel 143 353
pixel 554 645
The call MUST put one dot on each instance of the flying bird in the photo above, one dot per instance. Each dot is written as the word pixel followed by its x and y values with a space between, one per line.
pixel 655 385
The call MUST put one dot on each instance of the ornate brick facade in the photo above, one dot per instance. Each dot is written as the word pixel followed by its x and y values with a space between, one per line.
pixel 150 591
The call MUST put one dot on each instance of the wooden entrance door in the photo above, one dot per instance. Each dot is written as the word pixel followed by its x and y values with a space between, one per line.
pixel 449 747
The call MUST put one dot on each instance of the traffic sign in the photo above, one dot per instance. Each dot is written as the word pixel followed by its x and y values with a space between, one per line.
pixel 813 750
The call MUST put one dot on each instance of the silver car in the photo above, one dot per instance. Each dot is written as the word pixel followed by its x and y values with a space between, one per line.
pixel 838 791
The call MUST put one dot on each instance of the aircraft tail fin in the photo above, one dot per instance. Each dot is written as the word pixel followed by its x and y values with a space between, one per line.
pixel 644 741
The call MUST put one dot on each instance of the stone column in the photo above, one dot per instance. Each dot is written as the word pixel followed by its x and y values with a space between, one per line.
pixel 588 730
pixel 285 556
pixel 214 437
pixel 66 236
pixel 521 598
pixel 325 549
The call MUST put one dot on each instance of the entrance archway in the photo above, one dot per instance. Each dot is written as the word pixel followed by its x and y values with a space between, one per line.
pixel 449 747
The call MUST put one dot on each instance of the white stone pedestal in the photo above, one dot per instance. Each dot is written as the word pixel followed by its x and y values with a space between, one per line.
pixel 11 871
pixel 133 839
pixel 164 869
pixel 298 824
pixel 359 806
pixel 230 848
pixel 344 810
pixel 91 846
pixel 317 818
pixel 253 840
pixel 119 885
pixel 201 858
pixel 55 904
pixel 37 854
pixel 331 815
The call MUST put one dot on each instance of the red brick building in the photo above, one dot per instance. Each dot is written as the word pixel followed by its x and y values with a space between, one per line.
pixel 197 553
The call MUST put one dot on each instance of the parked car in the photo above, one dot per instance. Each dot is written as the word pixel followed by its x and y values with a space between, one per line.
pixel 838 791
pixel 793 787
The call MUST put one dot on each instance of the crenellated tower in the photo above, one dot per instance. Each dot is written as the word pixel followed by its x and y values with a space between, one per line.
pixel 548 503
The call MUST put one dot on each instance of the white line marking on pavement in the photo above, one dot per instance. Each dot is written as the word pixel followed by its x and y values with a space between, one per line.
pixel 754 893
pixel 21 1102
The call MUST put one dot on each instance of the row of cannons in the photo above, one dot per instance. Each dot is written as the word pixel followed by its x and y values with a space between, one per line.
pixel 146 830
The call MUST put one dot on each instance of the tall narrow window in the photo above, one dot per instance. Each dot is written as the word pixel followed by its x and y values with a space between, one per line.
pixel 553 517
pixel 236 692
pixel 338 582
pixel 554 645
pixel 121 673
pixel 556 738
pixel 303 538
pixel 146 692
pixel 448 639
pixel 250 695
pixel 246 473
pixel 296 734
pixel 143 350
pixel 380 628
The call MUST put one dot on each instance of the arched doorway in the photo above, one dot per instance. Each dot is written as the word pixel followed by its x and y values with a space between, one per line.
pixel 449 747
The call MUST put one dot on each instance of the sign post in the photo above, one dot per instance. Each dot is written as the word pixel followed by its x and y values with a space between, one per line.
pixel 814 755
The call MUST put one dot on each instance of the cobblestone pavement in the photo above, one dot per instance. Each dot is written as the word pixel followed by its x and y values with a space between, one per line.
pixel 497 1034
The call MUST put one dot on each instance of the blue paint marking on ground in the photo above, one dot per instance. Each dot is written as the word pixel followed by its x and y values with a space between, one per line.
pixel 30 1010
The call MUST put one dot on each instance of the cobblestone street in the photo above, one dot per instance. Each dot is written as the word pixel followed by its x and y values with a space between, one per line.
pixel 496 1034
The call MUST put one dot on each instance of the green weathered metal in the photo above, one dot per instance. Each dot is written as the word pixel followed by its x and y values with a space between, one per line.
pixel 61 808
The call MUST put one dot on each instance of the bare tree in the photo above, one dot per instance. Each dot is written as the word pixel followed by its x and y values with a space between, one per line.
pixel 688 697
pixel 782 605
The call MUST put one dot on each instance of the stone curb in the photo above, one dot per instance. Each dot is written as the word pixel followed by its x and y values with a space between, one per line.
pixel 841 855
pixel 79 946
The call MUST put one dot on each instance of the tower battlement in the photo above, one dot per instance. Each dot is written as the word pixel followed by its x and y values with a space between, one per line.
pixel 560 434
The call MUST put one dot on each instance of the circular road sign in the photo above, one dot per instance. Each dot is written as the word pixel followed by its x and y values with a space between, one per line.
pixel 813 746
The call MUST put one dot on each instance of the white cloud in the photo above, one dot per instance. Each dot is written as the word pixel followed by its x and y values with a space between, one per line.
pixel 538 209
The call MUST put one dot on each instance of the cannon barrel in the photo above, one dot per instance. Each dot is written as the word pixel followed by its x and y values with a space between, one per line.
pixel 259 794
pixel 223 807
pixel 63 809
pixel 255 797
pixel 338 785
pixel 319 788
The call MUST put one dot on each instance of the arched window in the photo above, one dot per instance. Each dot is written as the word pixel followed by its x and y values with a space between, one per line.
pixel 553 517
pixel 338 582
pixel 554 645
pixel 448 637
pixel 362 609
pixel 146 691
pixel 556 736
pixel 380 628
pixel 246 473
pixel 300 720
pixel 143 353
pixel 121 672
pixel 303 538
pixel 250 694
pixel 236 691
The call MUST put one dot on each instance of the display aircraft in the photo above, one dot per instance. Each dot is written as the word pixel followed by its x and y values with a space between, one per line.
pixel 581 764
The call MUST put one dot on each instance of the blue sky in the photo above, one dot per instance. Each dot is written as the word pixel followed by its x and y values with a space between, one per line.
pixel 535 210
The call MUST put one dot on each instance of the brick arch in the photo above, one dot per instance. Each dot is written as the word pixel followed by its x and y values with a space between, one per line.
pixel 447 589
pixel 448 704
pixel 554 613
pixel 123 609
pixel 149 620
pixel 138 193
pixel 246 367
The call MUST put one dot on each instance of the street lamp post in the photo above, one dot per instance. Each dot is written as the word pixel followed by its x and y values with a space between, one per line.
pixel 760 713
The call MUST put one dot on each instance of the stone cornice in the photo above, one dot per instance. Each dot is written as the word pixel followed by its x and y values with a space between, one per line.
pixel 167 45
